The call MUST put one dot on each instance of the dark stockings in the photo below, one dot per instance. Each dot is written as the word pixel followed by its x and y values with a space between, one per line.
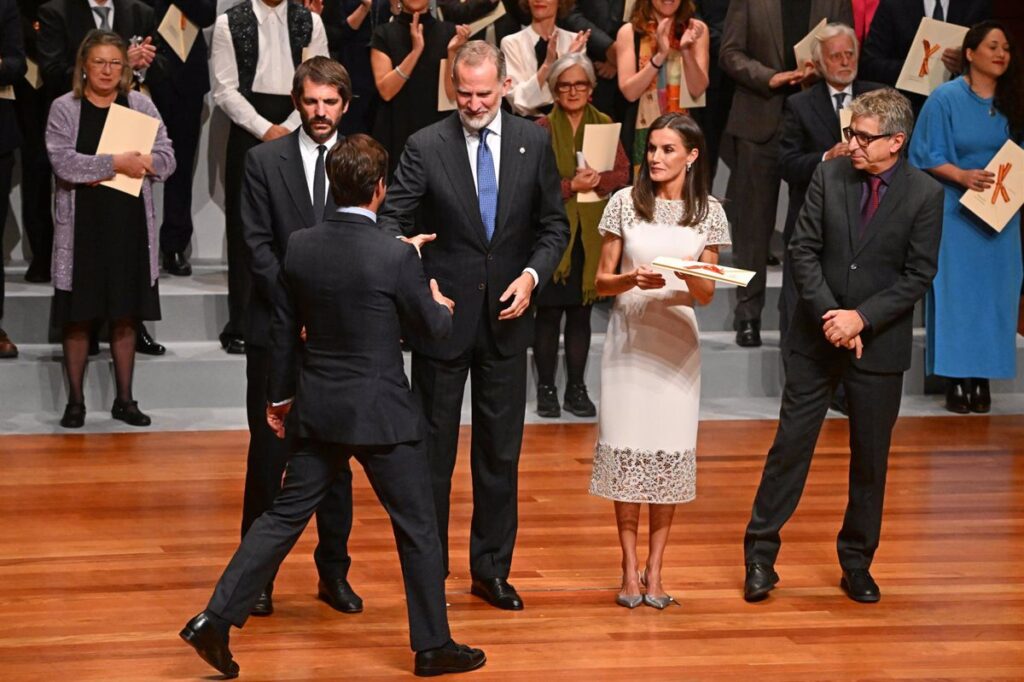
pixel 577 342
pixel 76 356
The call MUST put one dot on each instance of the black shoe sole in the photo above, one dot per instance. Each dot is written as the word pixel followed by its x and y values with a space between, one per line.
pixel 759 595
pixel 188 636
pixel 483 595
pixel 549 414
pixel 870 599
pixel 128 420
pixel 434 672
pixel 958 409
pixel 262 613
pixel 581 413
pixel 327 600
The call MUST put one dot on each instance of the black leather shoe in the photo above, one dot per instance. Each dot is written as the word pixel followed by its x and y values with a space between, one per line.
pixel 498 593
pixel 145 344
pixel 265 604
pixel 450 658
pixel 547 401
pixel 128 411
pixel 578 402
pixel 339 595
pixel 761 579
pixel 74 416
pixel 232 344
pixel 772 260
pixel 212 647
pixel 748 335
pixel 859 586
pixel 981 398
pixel 175 263
pixel 957 399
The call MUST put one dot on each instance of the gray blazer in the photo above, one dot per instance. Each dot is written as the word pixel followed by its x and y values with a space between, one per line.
pixel 71 169
pixel 753 52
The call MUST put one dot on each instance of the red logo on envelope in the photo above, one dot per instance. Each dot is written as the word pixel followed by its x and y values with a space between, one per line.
pixel 929 52
pixel 1000 189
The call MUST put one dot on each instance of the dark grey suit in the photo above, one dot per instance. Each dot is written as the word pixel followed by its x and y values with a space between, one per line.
pixel 433 191
pixel 881 274
pixel 351 287
pixel 754 50
pixel 275 204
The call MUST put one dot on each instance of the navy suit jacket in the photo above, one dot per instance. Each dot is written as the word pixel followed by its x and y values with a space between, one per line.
pixel 12 70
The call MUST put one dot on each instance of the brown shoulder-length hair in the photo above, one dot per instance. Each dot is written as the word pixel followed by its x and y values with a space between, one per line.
pixel 695 191
pixel 563 8
pixel 644 15
pixel 99 38
pixel 1009 99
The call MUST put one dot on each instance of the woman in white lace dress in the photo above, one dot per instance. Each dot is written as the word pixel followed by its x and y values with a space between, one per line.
pixel 650 370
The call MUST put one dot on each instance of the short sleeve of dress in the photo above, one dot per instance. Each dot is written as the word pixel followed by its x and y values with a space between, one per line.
pixel 933 142
pixel 716 225
pixel 379 40
pixel 611 221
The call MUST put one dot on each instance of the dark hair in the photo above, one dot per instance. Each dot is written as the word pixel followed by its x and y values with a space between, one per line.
pixel 100 38
pixel 322 71
pixel 563 7
pixel 695 192
pixel 355 166
pixel 1009 99
pixel 644 15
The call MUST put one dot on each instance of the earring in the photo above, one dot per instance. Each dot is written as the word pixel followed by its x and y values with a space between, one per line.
pixel 689 166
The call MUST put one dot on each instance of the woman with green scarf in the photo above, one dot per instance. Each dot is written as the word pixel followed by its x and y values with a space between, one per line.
pixel 571 81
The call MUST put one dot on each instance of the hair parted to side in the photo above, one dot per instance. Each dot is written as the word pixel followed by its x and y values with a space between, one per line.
pixel 1009 99
pixel 829 32
pixel 891 108
pixel 99 38
pixel 695 191
pixel 566 62
pixel 644 15
pixel 322 71
pixel 355 166
pixel 475 53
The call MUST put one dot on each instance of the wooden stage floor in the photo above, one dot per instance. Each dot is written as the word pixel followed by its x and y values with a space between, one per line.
pixel 109 543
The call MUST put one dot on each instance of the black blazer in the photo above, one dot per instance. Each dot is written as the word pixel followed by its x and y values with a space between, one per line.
pixel 893 28
pixel 882 274
pixel 810 127
pixel 353 287
pixel 433 191
pixel 12 70
pixel 602 18
pixel 191 77
pixel 63 24
pixel 275 203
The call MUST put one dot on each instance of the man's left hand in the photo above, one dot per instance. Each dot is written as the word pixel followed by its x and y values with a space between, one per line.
pixel 419 240
pixel 841 326
pixel 276 417
pixel 519 291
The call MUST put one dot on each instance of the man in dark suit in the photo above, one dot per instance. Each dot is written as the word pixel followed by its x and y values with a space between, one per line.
pixel 285 190
pixel 12 70
pixel 602 18
pixel 810 132
pixel 864 251
pixel 713 116
pixel 485 182
pixel 757 53
pixel 893 29
pixel 179 98
pixel 353 290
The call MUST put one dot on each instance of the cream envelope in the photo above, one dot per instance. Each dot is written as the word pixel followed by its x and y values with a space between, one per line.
pixel 600 142
pixel 685 100
pixel 845 118
pixel 178 31
pixel 718 273
pixel 127 130
pixel 923 70
pixel 802 50
pixel 998 204
pixel 32 75
pixel 443 102
pixel 483 22
pixel 627 10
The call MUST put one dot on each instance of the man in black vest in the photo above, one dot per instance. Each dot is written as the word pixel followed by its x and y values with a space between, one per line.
pixel 253 86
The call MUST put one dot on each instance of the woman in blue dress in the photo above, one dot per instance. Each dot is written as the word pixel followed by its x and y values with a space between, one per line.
pixel 971 312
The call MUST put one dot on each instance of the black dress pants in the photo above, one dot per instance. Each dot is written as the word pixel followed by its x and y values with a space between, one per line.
pixel 32 107
pixel 182 114
pixel 874 404
pixel 268 456
pixel 400 477
pixel 498 388
pixel 6 170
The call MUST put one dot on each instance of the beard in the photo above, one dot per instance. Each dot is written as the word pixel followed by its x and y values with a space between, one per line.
pixel 475 124
pixel 845 79
pixel 313 135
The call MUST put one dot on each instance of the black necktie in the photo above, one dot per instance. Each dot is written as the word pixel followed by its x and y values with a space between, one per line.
pixel 319 185
pixel 839 97
pixel 937 13
pixel 541 50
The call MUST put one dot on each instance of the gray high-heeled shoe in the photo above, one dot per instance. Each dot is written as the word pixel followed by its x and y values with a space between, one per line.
pixel 630 601
pixel 659 603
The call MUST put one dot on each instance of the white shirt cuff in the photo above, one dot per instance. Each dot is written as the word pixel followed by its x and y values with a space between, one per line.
pixel 536 277
pixel 288 401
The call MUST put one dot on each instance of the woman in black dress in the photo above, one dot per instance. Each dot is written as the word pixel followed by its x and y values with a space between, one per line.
pixel 406 58
pixel 105 252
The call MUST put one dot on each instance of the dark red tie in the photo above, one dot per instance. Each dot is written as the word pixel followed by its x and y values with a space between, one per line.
pixel 874 182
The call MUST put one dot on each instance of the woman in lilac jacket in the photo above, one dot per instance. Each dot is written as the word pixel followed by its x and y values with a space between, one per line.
pixel 104 240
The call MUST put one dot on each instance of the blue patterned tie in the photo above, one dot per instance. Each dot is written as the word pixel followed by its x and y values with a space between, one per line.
pixel 487 185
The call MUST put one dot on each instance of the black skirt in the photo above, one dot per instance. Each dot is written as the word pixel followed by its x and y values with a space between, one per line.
pixel 569 292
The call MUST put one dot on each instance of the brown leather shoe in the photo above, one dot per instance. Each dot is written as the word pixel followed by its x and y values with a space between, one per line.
pixel 7 347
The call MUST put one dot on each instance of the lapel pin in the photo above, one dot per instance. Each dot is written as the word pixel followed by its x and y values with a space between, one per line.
pixel 522 150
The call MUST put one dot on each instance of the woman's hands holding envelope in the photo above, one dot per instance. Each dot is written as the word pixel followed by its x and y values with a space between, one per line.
pixel 977 179
pixel 133 164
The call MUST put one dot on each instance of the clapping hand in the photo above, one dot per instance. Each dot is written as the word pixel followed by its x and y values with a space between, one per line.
pixel 416 33
pixel 141 56
pixel 459 39
pixel 662 36
pixel 315 6
pixel 691 35
pixel 579 43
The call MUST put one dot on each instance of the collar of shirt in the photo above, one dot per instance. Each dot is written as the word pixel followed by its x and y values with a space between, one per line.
pixel 308 144
pixel 263 11
pixel 356 210
pixel 886 175
pixel 929 8
pixel 832 92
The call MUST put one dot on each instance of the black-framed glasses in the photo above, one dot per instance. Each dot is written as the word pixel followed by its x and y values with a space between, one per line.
pixel 863 139
pixel 576 86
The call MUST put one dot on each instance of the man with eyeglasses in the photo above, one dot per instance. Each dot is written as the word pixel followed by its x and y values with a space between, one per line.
pixel 864 251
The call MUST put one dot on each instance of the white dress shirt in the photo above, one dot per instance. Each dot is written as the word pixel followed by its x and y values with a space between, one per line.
pixel 929 7
pixel 109 4
pixel 527 96
pixel 274 68
pixel 309 153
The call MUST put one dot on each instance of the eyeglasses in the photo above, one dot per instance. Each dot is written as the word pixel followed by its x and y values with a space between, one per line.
pixel 577 86
pixel 102 64
pixel 863 139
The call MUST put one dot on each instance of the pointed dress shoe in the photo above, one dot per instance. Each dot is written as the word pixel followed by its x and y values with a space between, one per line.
pixel 497 592
pixel 577 401
pixel 233 344
pixel 145 344
pixel 748 334
pixel 547 402
pixel 339 595
pixel 859 586
pixel 128 411
pixel 450 658
pixel 264 605
pixel 981 397
pixel 957 399
pixel 175 263
pixel 212 647
pixel 761 579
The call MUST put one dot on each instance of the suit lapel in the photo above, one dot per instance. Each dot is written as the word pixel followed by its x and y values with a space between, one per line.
pixel 886 207
pixel 456 165
pixel 773 10
pixel 81 19
pixel 294 177
pixel 853 192
pixel 508 174
pixel 824 107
